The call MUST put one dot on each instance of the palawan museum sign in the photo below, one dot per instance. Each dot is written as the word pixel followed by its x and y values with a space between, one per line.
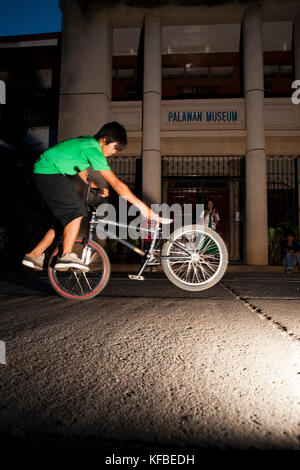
pixel 210 114
pixel 199 116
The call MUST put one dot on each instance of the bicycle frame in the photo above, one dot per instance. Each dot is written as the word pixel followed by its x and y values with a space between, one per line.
pixel 151 257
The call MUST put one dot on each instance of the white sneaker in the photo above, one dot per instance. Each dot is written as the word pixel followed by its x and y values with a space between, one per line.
pixel 70 260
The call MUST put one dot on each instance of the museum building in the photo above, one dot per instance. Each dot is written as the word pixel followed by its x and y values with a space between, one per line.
pixel 203 91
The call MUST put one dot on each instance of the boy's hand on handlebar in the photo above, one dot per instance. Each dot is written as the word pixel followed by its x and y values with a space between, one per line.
pixel 149 214
pixel 105 192
pixel 153 216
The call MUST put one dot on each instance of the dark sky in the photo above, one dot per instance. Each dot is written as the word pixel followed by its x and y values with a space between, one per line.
pixel 29 17
pixel 43 16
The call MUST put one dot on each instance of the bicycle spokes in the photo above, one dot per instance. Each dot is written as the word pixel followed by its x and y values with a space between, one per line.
pixel 76 284
pixel 205 263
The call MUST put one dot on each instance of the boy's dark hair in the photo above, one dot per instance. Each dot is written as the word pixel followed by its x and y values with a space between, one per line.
pixel 113 132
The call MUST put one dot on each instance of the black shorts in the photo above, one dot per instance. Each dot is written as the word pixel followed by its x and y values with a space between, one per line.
pixel 61 197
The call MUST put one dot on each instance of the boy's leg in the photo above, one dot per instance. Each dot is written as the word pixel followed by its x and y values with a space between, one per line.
pixel 35 259
pixel 69 259
pixel 66 205
pixel 42 246
pixel 71 231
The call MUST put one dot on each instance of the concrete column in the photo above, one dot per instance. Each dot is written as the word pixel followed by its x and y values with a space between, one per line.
pixel 256 174
pixel 86 70
pixel 152 108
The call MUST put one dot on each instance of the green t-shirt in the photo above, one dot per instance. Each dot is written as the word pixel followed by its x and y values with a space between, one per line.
pixel 72 156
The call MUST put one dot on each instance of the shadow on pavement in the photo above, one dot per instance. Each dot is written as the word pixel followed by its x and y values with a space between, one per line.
pixel 26 279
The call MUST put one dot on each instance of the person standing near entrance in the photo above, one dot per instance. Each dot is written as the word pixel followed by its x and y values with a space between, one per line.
pixel 290 253
pixel 210 217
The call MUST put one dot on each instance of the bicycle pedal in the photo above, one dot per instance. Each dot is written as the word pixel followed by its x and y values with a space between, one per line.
pixel 135 277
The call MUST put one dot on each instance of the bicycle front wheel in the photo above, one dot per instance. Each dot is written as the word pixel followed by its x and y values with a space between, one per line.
pixel 75 284
pixel 197 258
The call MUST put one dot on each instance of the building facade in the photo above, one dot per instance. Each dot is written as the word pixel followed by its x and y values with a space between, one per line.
pixel 205 95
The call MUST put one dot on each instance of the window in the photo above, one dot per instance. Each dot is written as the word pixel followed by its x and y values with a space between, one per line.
pixel 126 74
pixel 198 91
pixel 189 90
pixel 286 70
pixel 130 93
pixel 174 72
pixel 221 72
pixel 281 70
pixel 271 70
pixel 197 72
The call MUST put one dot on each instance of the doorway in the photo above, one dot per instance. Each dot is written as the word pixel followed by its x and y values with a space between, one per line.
pixel 201 195
pixel 192 179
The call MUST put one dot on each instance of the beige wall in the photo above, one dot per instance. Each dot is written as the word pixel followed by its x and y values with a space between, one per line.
pixel 224 138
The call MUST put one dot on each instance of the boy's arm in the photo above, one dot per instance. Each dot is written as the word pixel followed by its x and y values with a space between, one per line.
pixel 123 190
pixel 84 176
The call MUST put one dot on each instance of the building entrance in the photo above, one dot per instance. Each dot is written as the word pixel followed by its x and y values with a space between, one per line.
pixel 201 195
pixel 196 178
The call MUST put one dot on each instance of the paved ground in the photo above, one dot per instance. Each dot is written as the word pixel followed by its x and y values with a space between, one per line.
pixel 146 367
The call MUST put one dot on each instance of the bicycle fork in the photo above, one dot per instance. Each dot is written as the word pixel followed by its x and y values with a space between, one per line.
pixel 86 252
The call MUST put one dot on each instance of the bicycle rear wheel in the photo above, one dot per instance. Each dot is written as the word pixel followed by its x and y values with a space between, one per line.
pixel 197 258
pixel 75 284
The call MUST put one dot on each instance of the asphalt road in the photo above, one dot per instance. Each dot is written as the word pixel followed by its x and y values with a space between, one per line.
pixel 146 367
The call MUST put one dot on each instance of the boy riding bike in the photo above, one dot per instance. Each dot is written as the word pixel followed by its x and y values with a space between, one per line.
pixel 70 157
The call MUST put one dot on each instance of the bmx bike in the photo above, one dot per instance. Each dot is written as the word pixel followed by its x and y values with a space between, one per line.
pixel 193 258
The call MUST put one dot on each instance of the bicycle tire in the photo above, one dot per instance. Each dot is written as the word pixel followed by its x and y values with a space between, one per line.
pixel 75 284
pixel 207 263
